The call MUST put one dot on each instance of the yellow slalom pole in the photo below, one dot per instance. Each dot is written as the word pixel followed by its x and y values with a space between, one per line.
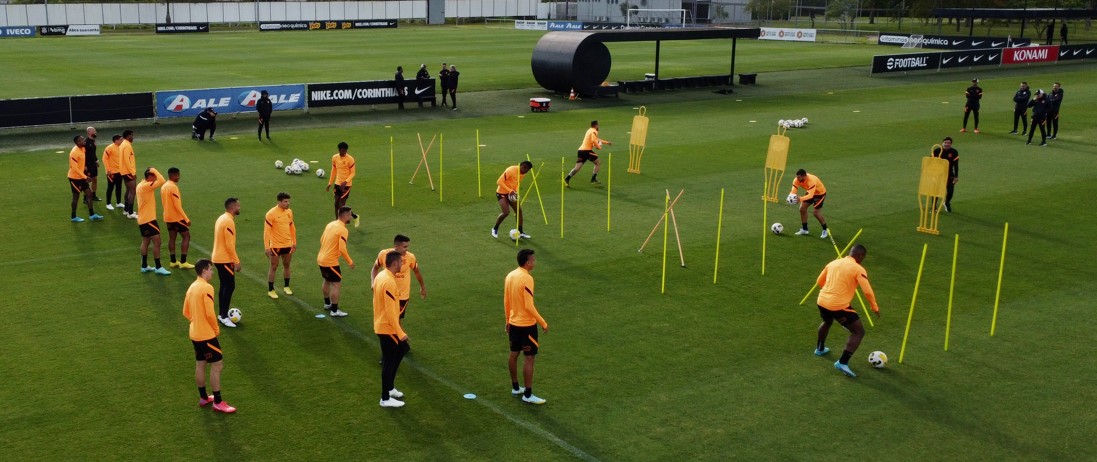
pixel 440 168
pixel 951 288
pixel 719 227
pixel 843 252
pixel 392 175
pixel 666 228
pixel 609 186
pixel 998 292
pixel 913 299
pixel 479 193
pixel 561 198
pixel 765 228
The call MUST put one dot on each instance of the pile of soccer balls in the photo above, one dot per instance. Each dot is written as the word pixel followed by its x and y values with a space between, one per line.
pixel 296 167
pixel 793 123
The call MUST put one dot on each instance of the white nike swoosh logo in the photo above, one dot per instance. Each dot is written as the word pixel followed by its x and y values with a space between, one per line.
pixel 957 42
pixel 996 44
pixel 1076 52
pixel 977 58
pixel 947 60
pixel 1064 52
pixel 420 90
pixel 964 58
pixel 1088 52
pixel 992 57
pixel 975 44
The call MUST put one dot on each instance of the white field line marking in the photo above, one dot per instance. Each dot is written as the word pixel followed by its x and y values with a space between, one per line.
pixel 74 256
pixel 372 339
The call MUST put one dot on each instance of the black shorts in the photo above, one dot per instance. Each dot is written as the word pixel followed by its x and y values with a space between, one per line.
pixel 403 307
pixel 114 177
pixel 128 177
pixel 341 192
pixel 78 186
pixel 207 350
pixel 583 156
pixel 817 201
pixel 971 107
pixel 503 196
pixel 524 339
pixel 92 170
pixel 282 250
pixel 845 318
pixel 149 229
pixel 1050 116
pixel 331 273
pixel 178 226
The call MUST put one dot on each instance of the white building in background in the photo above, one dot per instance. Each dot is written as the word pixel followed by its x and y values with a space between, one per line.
pixel 698 12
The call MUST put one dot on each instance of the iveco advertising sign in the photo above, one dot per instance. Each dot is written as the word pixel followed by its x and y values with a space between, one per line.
pixel 182 103
pixel 18 31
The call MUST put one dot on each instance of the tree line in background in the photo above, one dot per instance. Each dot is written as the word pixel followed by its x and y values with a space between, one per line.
pixel 844 12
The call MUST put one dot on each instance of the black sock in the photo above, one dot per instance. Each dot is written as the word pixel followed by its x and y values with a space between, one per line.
pixel 286 281
pixel 804 225
pixel 172 256
pixel 514 385
pixel 493 228
pixel 529 392
pixel 183 258
pixel 845 357
pixel 144 261
pixel 334 307
pixel 217 397
pixel 819 346
pixel 824 226
pixel 327 301
pixel 567 178
pixel 354 215
pixel 594 177
pixel 520 230
pixel 202 392
pixel 270 286
pixel 157 260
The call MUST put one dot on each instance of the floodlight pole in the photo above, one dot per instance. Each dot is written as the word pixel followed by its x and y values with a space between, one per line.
pixel 658 43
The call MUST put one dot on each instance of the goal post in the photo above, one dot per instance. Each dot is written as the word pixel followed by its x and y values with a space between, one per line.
pixel 658 17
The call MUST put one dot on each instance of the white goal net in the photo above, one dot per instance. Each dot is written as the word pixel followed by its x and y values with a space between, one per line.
pixel 656 17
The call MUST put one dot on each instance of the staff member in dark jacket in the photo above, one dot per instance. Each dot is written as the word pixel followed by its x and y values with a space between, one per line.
pixel 1055 98
pixel 443 80
pixel 206 120
pixel 422 81
pixel 401 87
pixel 973 95
pixel 265 107
pixel 452 85
pixel 1020 107
pixel 1040 107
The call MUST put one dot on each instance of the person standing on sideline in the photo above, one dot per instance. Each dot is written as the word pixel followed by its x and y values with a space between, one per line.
pixel 814 194
pixel 839 281
pixel 1050 33
pixel 522 319
pixel 949 153
pixel 452 85
pixel 386 324
pixel 279 242
pixel 591 141
pixel 175 219
pixel 128 170
pixel 265 107
pixel 973 94
pixel 1020 108
pixel 333 244
pixel 78 181
pixel 198 309
pixel 91 162
pixel 205 120
pixel 224 257
pixel 146 220
pixel 506 193
pixel 342 176
pixel 1055 98
pixel 112 162
pixel 443 81
pixel 422 81
pixel 401 87
pixel 1063 33
pixel 408 263
pixel 1040 108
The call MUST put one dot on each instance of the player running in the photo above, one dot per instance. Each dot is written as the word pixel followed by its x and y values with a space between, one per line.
pixel 814 194
pixel 591 141
pixel 176 219
pixel 839 281
pixel 333 244
pixel 279 242
pixel 522 319
pixel 146 220
pixel 507 195
pixel 198 309
pixel 342 176
pixel 408 263
pixel 78 181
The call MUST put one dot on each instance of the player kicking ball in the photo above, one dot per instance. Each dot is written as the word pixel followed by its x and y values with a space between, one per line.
pixel 839 281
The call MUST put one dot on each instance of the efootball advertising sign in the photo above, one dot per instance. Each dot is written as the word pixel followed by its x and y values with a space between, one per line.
pixel 183 103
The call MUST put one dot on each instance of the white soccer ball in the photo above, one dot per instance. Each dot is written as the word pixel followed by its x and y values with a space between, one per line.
pixel 514 234
pixel 781 122
pixel 777 228
pixel 804 120
pixel 792 199
pixel 235 315
pixel 878 359
pixel 289 170
pixel 295 161
pixel 798 123
pixel 296 169
pixel 319 173
pixel 278 164
pixel 304 167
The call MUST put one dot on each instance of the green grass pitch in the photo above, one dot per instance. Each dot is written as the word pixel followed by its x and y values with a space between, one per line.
pixel 98 365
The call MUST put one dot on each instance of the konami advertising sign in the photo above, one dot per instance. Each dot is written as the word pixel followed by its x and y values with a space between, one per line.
pixel 1045 54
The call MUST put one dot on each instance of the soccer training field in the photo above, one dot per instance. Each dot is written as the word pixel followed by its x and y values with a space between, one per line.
pixel 99 367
